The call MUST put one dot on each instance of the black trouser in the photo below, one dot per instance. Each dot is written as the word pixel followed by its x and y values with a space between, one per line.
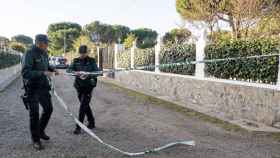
pixel 84 95
pixel 36 97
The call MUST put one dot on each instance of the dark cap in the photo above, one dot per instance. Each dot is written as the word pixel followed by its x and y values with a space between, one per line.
pixel 41 38
pixel 83 49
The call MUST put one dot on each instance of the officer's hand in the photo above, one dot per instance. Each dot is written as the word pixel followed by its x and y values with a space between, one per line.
pixel 48 73
pixel 78 73
pixel 83 76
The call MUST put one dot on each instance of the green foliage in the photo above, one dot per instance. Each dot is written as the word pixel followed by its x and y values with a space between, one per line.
pixel 142 57
pixel 240 15
pixel 108 33
pixel 8 59
pixel 128 42
pixel 105 31
pixel 257 70
pixel 18 47
pixel 145 57
pixel 124 59
pixel 120 33
pixel 56 34
pixel 178 54
pixel 24 40
pixel 267 27
pixel 146 38
pixel 177 36
pixel 219 36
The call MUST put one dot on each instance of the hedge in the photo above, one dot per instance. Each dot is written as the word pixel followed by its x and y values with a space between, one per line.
pixel 178 54
pixel 123 59
pixel 142 57
pixel 8 59
pixel 264 70
pixel 145 57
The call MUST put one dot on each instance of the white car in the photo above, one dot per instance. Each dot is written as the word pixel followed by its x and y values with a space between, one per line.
pixel 59 62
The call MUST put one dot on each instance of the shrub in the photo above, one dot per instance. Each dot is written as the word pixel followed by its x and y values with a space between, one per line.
pixel 18 47
pixel 8 59
pixel 142 58
pixel 145 57
pixel 257 70
pixel 124 59
pixel 171 56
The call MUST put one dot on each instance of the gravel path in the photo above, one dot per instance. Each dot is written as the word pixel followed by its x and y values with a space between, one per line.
pixel 125 121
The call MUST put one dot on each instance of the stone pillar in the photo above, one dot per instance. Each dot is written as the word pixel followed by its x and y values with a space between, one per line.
pixel 116 52
pixel 200 53
pixel 157 52
pixel 132 52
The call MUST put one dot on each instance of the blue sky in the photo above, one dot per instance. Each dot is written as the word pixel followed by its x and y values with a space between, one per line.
pixel 30 17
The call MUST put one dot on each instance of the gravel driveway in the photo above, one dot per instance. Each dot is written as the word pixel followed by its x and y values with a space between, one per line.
pixel 125 121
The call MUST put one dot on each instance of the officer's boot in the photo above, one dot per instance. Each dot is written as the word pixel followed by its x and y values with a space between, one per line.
pixel 77 130
pixel 38 146
pixel 91 125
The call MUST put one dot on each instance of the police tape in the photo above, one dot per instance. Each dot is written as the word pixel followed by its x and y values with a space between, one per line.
pixel 95 73
pixel 93 135
pixel 98 73
pixel 189 62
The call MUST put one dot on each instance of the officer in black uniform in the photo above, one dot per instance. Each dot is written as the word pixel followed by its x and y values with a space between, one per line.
pixel 36 73
pixel 84 84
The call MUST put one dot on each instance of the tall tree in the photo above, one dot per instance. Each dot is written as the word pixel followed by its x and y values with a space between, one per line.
pixel 177 36
pixel 120 33
pixel 239 14
pixel 146 38
pixel 105 31
pixel 26 41
pixel 58 32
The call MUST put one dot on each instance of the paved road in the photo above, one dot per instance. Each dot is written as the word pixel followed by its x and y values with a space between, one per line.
pixel 126 121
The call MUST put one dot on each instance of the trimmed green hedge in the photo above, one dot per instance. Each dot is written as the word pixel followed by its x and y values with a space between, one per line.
pixel 178 54
pixel 145 57
pixel 124 59
pixel 142 57
pixel 7 59
pixel 264 70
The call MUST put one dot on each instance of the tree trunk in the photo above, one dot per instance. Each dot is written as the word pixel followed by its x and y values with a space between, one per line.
pixel 233 28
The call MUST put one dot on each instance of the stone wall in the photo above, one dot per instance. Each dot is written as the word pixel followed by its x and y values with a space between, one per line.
pixel 8 75
pixel 230 100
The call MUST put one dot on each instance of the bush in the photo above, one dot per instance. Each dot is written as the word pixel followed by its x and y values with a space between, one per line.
pixel 142 58
pixel 257 70
pixel 171 56
pixel 123 59
pixel 145 57
pixel 7 59
pixel 18 47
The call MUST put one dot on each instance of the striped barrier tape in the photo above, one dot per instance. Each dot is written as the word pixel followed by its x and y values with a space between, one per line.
pixel 188 143
pixel 93 135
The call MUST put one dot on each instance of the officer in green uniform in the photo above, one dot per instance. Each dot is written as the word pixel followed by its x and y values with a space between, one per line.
pixel 84 84
pixel 36 73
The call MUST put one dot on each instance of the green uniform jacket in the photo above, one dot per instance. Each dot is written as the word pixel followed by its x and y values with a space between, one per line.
pixel 34 63
pixel 87 64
